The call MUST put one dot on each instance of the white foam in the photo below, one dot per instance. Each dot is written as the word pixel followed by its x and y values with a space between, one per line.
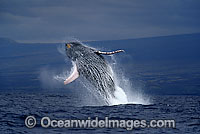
pixel 120 97
pixel 126 92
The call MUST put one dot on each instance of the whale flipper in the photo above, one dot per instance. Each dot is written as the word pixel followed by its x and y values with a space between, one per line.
pixel 74 75
pixel 109 53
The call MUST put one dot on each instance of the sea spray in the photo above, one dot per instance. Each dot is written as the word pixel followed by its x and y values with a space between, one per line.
pixel 134 94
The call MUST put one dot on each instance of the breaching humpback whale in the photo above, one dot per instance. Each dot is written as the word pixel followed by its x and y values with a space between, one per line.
pixel 90 64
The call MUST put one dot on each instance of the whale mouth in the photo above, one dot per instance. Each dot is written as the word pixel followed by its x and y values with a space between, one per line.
pixel 73 76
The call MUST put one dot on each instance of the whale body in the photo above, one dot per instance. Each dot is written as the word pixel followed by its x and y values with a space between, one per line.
pixel 90 64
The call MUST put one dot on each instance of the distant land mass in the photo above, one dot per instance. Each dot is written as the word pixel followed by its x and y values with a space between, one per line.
pixel 157 65
pixel 4 41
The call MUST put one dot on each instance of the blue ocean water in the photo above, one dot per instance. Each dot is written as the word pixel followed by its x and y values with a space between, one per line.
pixel 15 107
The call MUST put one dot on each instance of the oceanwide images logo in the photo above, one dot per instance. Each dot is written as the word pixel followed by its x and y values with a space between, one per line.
pixel 46 122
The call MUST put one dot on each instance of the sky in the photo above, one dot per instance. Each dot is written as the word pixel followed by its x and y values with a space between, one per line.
pixel 58 20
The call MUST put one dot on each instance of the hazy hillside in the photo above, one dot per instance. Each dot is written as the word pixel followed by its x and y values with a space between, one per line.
pixel 6 41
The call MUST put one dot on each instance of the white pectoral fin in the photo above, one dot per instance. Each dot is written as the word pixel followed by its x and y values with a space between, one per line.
pixel 109 53
pixel 74 75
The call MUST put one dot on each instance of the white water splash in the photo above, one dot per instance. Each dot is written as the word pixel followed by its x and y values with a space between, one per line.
pixel 125 92
pixel 120 95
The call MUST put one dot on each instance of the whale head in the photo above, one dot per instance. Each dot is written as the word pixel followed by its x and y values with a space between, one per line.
pixel 75 50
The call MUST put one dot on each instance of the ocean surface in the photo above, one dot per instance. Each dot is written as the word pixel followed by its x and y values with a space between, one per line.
pixel 15 107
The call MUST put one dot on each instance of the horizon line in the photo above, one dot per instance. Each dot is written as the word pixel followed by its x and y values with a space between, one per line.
pixel 24 42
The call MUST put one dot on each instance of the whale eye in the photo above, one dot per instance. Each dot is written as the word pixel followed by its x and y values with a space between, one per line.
pixel 68 45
